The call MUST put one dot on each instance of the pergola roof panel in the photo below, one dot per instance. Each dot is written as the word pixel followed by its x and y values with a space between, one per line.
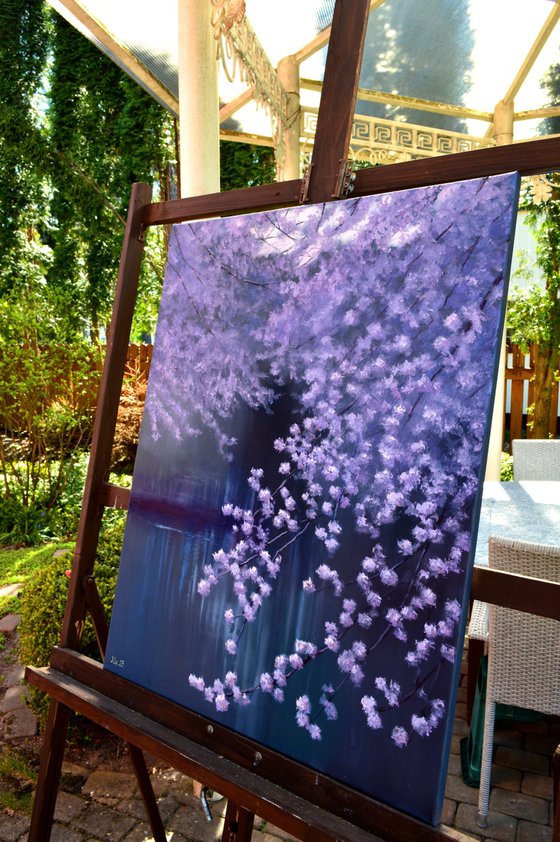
pixel 464 53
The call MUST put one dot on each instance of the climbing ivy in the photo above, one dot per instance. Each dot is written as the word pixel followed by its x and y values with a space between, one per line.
pixel 23 193
pixel 75 133
pixel 114 134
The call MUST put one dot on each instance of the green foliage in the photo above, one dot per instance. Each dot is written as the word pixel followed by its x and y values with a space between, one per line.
pixel 532 315
pixel 245 165
pixel 114 134
pixel 47 390
pixel 43 600
pixel 18 565
pixel 506 467
pixel 23 53
pixel 17 781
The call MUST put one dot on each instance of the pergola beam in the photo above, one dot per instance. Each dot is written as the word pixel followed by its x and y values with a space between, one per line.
pixel 530 59
pixel 538 113
pixel 227 110
pixel 92 29
pixel 533 53
pixel 245 137
pixel 322 38
pixel 411 102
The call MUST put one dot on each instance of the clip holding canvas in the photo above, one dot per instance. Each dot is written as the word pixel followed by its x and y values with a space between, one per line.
pixel 345 180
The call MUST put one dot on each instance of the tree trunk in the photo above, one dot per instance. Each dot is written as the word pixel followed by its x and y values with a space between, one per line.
pixel 546 357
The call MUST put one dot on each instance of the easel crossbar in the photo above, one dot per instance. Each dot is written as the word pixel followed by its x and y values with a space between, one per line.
pixel 293 784
pixel 271 802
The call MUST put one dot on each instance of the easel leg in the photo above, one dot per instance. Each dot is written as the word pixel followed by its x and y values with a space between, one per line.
pixel 49 773
pixel 147 793
pixel 476 651
pixel 238 824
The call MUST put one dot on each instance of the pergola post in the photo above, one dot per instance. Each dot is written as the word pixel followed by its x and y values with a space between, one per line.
pixel 199 128
pixel 289 167
pixel 503 134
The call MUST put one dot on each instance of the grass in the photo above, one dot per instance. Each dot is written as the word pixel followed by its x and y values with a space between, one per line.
pixel 17 565
pixel 17 781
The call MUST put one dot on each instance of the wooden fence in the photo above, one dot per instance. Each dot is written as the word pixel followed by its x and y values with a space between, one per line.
pixel 519 388
pixel 520 395
pixel 138 359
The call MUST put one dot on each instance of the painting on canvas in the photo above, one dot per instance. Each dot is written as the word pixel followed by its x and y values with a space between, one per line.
pixel 308 477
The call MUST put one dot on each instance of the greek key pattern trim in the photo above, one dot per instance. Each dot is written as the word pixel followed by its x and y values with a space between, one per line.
pixel 379 141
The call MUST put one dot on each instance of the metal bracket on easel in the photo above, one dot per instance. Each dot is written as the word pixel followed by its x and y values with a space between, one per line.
pixel 142 234
pixel 345 180
pixel 303 198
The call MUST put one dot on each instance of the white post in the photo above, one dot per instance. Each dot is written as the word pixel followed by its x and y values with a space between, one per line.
pixel 199 128
pixel 289 167
pixel 503 133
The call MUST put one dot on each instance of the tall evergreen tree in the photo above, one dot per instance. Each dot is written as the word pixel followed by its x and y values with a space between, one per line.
pixel 421 50
pixel 110 133
pixel 23 53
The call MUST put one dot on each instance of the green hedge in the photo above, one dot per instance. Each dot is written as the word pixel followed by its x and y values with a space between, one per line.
pixel 43 600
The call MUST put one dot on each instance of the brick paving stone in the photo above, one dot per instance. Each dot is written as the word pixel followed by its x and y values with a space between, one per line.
pixel 508 737
pixel 170 780
pixel 506 778
pixel 448 811
pixel 460 728
pixel 527 761
pixel 520 805
pixel 501 828
pixel 104 822
pixel 454 765
pixel 61 833
pixel 142 833
pixel 10 590
pixel 115 785
pixel 462 694
pixel 529 832
pixel 459 835
pixel 16 676
pixel 12 827
pixel 20 723
pixel 541 743
pixel 135 807
pixel 461 710
pixel 9 623
pixel 192 824
pixel 455 744
pixel 68 807
pixel 457 790
pixel 538 785
pixel 14 698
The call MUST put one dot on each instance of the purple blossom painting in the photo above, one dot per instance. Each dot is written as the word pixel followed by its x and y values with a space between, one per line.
pixel 304 504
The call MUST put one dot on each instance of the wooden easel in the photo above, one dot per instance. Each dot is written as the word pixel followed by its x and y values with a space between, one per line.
pixel 255 780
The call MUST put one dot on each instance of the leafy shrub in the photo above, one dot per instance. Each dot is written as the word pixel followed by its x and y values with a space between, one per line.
pixel 506 468
pixel 18 566
pixel 47 389
pixel 43 601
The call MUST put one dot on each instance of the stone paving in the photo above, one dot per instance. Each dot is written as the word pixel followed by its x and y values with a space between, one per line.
pixel 104 805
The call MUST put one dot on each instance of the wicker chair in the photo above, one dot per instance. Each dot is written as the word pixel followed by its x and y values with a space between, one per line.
pixel 523 650
pixel 536 459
